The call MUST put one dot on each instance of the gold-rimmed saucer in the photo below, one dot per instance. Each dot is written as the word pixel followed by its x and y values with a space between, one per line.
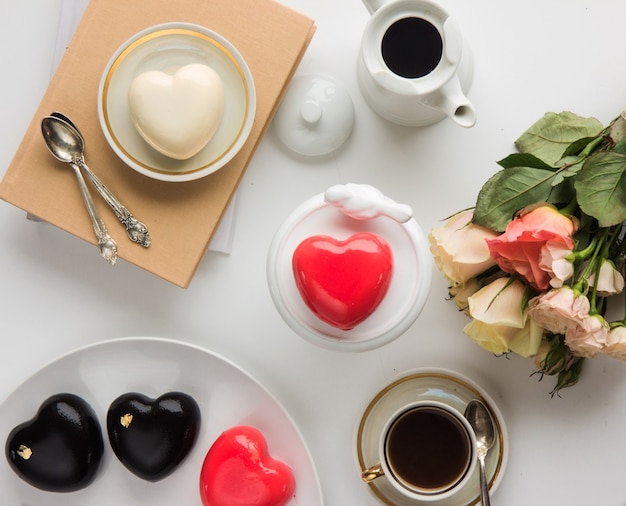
pixel 436 385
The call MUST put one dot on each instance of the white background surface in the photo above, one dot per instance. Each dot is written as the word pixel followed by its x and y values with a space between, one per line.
pixel 56 293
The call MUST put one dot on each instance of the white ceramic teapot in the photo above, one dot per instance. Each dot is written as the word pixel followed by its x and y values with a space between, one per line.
pixel 414 67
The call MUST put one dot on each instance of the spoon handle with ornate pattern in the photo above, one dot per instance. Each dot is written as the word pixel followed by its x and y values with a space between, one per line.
pixel 137 231
pixel 107 245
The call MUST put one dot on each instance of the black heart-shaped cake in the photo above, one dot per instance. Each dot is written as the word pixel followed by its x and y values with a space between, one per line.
pixel 151 437
pixel 60 448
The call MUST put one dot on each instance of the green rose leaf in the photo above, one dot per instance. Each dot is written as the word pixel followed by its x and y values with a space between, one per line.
pixel 570 166
pixel 577 146
pixel 617 132
pixel 507 192
pixel 620 147
pixel 601 188
pixel 523 160
pixel 562 189
pixel 549 137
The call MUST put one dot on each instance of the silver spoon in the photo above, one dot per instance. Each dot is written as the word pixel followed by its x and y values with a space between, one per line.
pixel 62 144
pixel 137 231
pixel 481 421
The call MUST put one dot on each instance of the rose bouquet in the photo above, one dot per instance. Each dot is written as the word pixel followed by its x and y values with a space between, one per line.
pixel 539 258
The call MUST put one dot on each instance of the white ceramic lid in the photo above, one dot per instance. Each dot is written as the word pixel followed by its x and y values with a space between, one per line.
pixel 315 117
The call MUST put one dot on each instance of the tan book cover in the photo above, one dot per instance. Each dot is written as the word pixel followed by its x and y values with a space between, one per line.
pixel 181 217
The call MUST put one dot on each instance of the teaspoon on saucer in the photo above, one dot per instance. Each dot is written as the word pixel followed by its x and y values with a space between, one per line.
pixel 74 146
pixel 480 419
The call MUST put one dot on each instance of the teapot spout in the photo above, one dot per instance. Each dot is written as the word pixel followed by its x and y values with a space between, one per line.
pixel 463 114
pixel 451 100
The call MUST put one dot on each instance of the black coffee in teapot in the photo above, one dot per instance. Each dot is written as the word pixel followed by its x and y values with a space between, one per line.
pixel 412 47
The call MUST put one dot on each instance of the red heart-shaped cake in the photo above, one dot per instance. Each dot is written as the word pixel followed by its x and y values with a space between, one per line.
pixel 343 282
pixel 239 471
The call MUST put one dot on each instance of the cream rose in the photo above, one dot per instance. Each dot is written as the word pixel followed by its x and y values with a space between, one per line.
pixel 459 248
pixel 499 321
pixel 459 293
pixel 542 353
pixel 527 343
pixel 493 338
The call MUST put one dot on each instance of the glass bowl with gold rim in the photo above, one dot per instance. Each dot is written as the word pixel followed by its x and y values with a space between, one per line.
pixel 167 47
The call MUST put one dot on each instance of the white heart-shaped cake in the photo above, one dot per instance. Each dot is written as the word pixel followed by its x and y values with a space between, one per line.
pixel 177 114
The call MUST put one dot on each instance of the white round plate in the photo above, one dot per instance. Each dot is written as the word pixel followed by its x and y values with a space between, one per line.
pixel 405 297
pixel 429 384
pixel 227 396
pixel 166 47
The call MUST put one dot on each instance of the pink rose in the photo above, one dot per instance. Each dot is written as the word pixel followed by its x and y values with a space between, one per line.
pixel 616 343
pixel 589 337
pixel 520 248
pixel 563 311
pixel 610 280
pixel 558 309
pixel 459 248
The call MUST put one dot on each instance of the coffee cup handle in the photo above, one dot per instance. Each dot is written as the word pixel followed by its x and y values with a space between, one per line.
pixel 372 473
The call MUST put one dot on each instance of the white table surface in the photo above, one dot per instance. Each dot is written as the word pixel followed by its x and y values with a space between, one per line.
pixel 57 294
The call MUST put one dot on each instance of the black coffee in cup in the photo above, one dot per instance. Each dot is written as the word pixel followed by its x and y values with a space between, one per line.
pixel 412 47
pixel 428 449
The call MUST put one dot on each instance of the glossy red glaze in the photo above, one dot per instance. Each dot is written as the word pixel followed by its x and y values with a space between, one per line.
pixel 343 282
pixel 238 471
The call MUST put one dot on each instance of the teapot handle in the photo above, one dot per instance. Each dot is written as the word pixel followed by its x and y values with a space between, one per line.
pixel 453 41
pixel 374 5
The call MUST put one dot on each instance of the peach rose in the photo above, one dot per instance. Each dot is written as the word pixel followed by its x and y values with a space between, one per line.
pixel 519 249
pixel 460 249
pixel 589 337
pixel 558 309
pixel 499 321
pixel 616 343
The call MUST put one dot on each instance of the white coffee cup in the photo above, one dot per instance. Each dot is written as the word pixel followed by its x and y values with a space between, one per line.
pixel 427 452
